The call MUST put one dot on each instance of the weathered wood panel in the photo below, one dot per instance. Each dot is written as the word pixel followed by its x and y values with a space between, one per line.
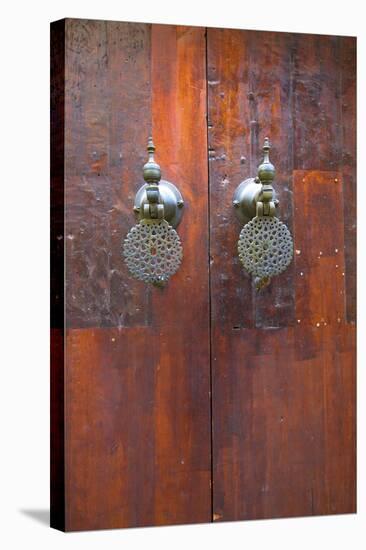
pixel 284 434
pixel 283 362
pixel 108 116
pixel 316 102
pixel 181 314
pixel 348 67
pixel 131 442
pixel 319 251
pixel 249 93
pixel 137 370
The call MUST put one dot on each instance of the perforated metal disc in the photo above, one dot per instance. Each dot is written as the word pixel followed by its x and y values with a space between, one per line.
pixel 153 251
pixel 265 247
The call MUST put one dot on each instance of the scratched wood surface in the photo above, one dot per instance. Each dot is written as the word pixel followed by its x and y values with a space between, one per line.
pixel 131 440
pixel 283 361
pixel 137 369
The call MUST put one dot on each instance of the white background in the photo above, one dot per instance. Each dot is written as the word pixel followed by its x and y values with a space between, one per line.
pixel 24 304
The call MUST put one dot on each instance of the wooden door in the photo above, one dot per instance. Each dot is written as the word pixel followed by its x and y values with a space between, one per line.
pixel 204 400
pixel 283 359
pixel 135 421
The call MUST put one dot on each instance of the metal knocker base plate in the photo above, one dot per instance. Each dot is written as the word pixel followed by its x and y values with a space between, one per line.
pixel 153 251
pixel 265 247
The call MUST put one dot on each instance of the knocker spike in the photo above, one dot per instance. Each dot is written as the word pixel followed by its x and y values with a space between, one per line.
pixel 152 172
pixel 152 248
pixel 150 147
pixel 265 245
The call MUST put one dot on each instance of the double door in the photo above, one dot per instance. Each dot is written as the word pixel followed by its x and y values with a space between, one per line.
pixel 205 400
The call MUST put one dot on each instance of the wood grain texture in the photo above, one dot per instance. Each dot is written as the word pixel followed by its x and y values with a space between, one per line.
pixel 316 102
pixel 137 378
pixel 249 93
pixel 348 67
pixel 131 384
pixel 319 253
pixel 283 362
pixel 108 116
pixel 181 313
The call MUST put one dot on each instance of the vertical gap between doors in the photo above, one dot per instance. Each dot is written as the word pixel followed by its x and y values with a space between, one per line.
pixel 209 274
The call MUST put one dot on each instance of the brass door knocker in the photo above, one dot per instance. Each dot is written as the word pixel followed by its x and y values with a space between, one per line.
pixel 152 248
pixel 265 245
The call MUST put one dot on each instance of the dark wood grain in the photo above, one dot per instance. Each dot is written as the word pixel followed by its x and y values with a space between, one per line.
pixel 348 68
pixel 108 116
pixel 249 91
pixel 137 369
pixel 316 102
pixel 283 362
pixel 271 92
pixel 229 161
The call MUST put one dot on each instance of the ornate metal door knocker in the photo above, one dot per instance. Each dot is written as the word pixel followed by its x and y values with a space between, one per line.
pixel 152 248
pixel 265 244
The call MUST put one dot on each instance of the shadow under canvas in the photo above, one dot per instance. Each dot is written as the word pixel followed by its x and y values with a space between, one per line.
pixel 40 515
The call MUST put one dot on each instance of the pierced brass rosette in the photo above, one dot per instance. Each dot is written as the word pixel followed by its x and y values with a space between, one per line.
pixel 153 251
pixel 265 247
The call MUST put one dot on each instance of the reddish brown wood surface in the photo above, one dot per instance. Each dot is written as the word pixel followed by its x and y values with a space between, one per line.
pixel 137 369
pixel 348 69
pixel 181 313
pixel 283 361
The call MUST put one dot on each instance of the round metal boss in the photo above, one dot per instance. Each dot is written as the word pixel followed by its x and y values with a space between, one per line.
pixel 153 251
pixel 265 246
